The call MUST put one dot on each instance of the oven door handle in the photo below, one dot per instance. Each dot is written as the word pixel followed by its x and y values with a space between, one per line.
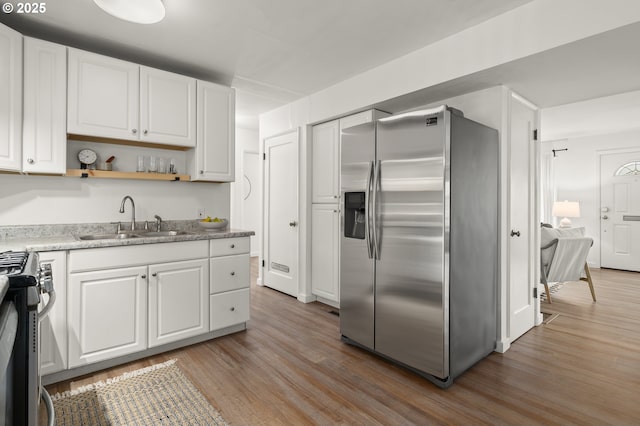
pixel 47 308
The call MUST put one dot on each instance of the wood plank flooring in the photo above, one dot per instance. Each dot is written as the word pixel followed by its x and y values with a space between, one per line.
pixel 290 367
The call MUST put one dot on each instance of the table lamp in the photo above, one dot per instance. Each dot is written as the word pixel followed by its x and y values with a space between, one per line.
pixel 566 209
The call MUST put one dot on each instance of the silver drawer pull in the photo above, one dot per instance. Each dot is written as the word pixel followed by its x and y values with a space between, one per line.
pixel 143 276
pixel 232 309
pixel 233 273
pixel 233 246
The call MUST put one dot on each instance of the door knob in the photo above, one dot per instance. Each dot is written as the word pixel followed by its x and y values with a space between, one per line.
pixel 605 217
pixel 293 224
pixel 515 233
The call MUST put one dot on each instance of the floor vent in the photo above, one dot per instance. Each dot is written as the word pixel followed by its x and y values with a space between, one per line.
pixel 336 313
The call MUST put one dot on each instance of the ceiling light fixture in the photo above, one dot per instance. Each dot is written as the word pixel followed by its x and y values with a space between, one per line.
pixel 138 11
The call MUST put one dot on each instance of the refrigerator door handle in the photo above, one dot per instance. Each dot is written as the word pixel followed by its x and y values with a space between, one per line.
pixel 367 222
pixel 374 210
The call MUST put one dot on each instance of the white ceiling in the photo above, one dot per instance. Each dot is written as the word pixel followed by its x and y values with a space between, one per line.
pixel 272 51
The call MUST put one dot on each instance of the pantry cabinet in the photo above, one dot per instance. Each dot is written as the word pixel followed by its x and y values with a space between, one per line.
pixel 326 162
pixel 178 301
pixel 10 99
pixel 214 156
pixel 44 135
pixel 115 99
pixel 325 256
pixel 53 328
pixel 107 314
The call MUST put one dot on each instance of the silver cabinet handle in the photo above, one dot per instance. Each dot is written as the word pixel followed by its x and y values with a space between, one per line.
pixel 605 217
pixel 145 131
pixel 293 224
pixel 233 246
pixel 233 273
pixel 30 160
pixel 143 276
pixel 515 233
pixel 154 274
pixel 201 172
pixel 134 131
pixel 232 309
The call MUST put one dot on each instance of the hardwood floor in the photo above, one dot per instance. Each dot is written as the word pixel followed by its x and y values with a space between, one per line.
pixel 290 367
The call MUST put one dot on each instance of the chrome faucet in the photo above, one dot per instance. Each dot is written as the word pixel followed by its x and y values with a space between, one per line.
pixel 133 210
pixel 158 222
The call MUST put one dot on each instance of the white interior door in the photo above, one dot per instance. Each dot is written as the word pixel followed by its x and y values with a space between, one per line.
pixel 250 197
pixel 620 211
pixel 281 213
pixel 522 308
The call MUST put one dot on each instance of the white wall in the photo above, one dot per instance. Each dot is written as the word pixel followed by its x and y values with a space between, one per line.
pixel 32 200
pixel 246 140
pixel 576 177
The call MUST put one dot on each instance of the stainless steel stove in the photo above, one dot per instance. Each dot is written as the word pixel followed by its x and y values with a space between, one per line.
pixel 22 283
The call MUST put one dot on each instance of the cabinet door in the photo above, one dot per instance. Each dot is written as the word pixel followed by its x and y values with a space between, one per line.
pixel 53 328
pixel 167 108
pixel 44 134
pixel 103 96
pixel 325 251
pixel 107 314
pixel 356 119
pixel 178 301
pixel 214 156
pixel 326 162
pixel 10 99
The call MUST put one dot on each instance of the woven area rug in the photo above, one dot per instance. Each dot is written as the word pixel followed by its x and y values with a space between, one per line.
pixel 156 395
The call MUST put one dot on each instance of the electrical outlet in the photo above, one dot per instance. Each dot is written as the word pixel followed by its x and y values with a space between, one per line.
pixel 201 213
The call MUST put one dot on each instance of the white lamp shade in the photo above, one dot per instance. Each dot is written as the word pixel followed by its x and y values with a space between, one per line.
pixel 138 11
pixel 566 209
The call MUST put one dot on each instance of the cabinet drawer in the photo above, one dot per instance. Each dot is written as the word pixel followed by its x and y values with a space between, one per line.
pixel 227 246
pixel 229 273
pixel 229 308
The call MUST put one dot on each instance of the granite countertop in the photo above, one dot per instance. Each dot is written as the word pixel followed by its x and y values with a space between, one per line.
pixel 66 237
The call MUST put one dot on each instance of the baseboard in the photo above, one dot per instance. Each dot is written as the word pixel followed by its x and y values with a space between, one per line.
pixel 331 303
pixel 502 346
pixel 306 298
pixel 259 282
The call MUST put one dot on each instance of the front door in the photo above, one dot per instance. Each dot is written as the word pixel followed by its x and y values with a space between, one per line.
pixel 620 211
pixel 521 209
pixel 281 213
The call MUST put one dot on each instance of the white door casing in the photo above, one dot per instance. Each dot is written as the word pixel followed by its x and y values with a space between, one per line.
pixel 281 213
pixel 250 207
pixel 522 209
pixel 619 213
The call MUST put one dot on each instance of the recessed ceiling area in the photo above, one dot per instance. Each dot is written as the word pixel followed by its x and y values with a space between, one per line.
pixel 271 51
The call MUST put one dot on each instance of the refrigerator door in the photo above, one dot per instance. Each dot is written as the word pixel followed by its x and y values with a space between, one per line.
pixel 412 218
pixel 356 261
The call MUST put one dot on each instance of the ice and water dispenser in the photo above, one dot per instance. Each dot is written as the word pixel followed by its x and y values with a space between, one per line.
pixel 354 215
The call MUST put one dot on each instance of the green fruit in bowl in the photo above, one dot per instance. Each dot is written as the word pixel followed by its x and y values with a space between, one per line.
pixel 217 219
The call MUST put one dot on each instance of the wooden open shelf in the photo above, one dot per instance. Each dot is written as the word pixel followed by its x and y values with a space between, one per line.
pixel 105 174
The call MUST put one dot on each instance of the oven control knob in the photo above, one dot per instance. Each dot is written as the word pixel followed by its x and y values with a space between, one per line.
pixel 44 276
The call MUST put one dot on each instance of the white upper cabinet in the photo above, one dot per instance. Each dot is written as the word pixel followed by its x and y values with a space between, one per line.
pixel 44 134
pixel 10 99
pixel 103 96
pixel 167 108
pixel 214 156
pixel 115 99
pixel 326 162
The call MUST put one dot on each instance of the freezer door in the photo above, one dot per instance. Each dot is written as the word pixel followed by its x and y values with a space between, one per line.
pixel 356 262
pixel 412 230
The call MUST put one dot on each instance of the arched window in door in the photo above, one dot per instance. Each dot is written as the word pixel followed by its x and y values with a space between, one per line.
pixel 632 168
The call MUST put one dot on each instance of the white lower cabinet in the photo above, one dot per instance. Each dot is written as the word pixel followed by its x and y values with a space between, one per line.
pixel 230 278
pixel 325 251
pixel 107 314
pixel 178 301
pixel 53 328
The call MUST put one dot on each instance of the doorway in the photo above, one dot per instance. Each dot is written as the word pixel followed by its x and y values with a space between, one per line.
pixel 250 207
pixel 620 210
pixel 281 245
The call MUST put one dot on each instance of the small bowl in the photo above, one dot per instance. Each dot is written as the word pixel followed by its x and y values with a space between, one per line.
pixel 214 225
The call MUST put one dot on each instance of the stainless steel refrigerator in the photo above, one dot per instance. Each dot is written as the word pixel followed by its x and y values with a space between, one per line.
pixel 419 240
